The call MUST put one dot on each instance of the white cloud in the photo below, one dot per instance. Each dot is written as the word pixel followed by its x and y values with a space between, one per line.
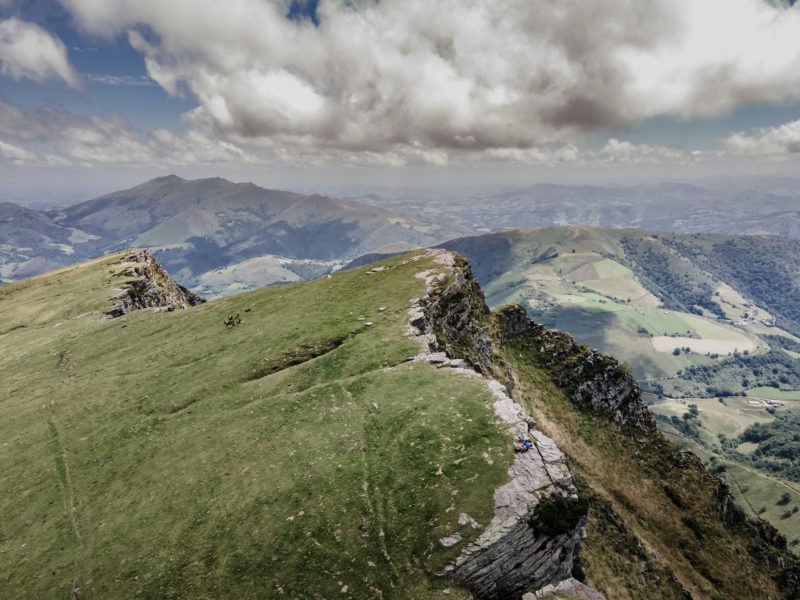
pixel 49 136
pixel 770 142
pixel 15 155
pixel 616 151
pixel 28 51
pixel 420 80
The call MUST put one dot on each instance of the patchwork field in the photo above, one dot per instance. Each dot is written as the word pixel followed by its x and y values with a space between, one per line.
pixel 604 304
pixel 704 346
pixel 729 419
pixel 770 393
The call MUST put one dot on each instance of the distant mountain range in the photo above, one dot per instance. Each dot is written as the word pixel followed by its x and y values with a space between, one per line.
pixel 763 207
pixel 214 235
pixel 219 237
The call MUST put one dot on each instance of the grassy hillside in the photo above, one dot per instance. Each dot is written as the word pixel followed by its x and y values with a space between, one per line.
pixel 300 454
pixel 294 455
pixel 213 235
pixel 671 307
pixel 659 527
pixel 591 283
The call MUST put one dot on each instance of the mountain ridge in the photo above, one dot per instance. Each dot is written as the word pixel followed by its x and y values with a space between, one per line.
pixel 330 397
pixel 205 231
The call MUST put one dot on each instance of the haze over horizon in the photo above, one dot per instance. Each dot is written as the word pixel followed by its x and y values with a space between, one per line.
pixel 96 96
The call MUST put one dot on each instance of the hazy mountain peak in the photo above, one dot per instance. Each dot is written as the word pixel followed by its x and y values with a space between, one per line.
pixel 171 178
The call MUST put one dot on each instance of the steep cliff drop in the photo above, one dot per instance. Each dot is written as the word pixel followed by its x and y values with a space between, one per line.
pixel 539 517
pixel 653 521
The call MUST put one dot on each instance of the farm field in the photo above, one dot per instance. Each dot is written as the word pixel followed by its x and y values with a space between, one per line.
pixel 729 419
pixel 663 343
pixel 770 393
pixel 603 304
pixel 757 493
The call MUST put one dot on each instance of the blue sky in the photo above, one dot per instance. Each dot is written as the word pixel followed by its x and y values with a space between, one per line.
pixel 145 104
pixel 286 86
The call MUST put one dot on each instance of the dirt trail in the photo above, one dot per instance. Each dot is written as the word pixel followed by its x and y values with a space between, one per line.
pixel 64 478
pixel 374 514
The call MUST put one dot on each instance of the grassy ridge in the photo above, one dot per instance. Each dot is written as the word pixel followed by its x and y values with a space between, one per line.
pixel 589 282
pixel 151 456
pixel 656 530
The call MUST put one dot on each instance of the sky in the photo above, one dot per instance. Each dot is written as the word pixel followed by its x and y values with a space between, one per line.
pixel 100 93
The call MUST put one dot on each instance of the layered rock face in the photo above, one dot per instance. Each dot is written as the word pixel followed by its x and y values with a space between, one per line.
pixel 149 287
pixel 539 519
pixel 593 381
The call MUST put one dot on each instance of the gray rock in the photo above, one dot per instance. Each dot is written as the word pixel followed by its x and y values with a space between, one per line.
pixel 465 519
pixel 450 540
pixel 149 286
pixel 569 588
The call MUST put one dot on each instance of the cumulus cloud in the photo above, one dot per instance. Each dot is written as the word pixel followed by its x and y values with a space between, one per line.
pixel 15 155
pixel 770 142
pixel 413 82
pixel 48 136
pixel 616 151
pixel 28 51
pixel 439 80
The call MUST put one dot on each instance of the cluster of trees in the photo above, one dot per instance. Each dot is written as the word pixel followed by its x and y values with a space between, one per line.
pixel 687 425
pixel 778 341
pixel 742 371
pixel 677 287
pixel 778 449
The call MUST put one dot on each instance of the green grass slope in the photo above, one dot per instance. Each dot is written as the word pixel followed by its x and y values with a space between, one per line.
pixel 294 455
pixel 639 295
pixel 661 524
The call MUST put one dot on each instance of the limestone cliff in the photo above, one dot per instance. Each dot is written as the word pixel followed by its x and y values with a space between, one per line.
pixel 539 517
pixel 659 524
pixel 594 381
pixel 148 286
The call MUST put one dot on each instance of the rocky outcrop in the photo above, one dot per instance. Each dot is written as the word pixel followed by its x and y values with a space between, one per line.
pixel 148 286
pixel 592 380
pixel 569 588
pixel 529 547
pixel 539 519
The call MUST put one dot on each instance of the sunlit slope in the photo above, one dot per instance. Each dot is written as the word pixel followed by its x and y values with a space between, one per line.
pixel 296 454
pixel 639 296
pixel 590 283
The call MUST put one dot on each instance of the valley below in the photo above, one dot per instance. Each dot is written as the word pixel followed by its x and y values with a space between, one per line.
pixel 304 337
pixel 711 355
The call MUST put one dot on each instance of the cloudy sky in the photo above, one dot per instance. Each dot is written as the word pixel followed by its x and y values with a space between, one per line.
pixel 282 89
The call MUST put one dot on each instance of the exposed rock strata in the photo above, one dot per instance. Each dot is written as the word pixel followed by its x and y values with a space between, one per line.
pixel 149 287
pixel 523 548
pixel 593 381
pixel 569 588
